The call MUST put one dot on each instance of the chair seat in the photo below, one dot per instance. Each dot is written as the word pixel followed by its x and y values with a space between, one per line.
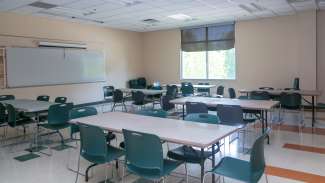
pixel 113 153
pixel 169 166
pixel 23 121
pixel 188 154
pixel 236 169
pixel 55 127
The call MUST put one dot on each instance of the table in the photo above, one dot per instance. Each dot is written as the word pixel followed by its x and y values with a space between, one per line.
pixel 31 106
pixel 262 105
pixel 171 130
pixel 145 91
pixel 308 93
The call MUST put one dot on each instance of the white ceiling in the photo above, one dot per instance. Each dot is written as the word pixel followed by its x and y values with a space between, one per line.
pixel 128 14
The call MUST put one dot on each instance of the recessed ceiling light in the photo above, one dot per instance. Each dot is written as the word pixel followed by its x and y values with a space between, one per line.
pixel 180 16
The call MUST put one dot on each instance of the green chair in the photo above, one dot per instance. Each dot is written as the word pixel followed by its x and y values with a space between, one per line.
pixel 187 89
pixel 292 102
pixel 232 93
pixel 188 154
pixel 95 149
pixel 7 97
pixel 143 161
pixel 220 90
pixel 118 100
pixel 58 118
pixel 108 92
pixel 245 171
pixel 16 119
pixel 256 95
pixel 204 91
pixel 61 100
pixel 3 119
pixel 44 98
pixel 139 99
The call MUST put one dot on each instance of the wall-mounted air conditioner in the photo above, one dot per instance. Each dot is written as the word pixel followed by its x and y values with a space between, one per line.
pixel 62 45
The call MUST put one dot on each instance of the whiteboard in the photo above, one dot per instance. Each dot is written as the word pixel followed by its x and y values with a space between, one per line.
pixel 53 66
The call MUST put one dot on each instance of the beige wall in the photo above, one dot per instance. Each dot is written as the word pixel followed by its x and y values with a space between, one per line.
pixel 321 54
pixel 270 52
pixel 123 51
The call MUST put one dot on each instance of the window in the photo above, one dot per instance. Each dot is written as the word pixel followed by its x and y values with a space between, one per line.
pixel 208 53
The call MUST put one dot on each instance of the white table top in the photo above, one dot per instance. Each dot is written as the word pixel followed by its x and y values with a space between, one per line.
pixel 27 105
pixel 176 131
pixel 195 86
pixel 279 91
pixel 145 91
pixel 212 102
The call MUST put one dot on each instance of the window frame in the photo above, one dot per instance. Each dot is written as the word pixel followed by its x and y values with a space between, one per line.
pixel 206 59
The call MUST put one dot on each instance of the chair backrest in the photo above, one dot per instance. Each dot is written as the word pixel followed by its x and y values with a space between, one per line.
pixel 138 97
pixel 133 84
pixel 187 89
pixel 3 114
pixel 260 95
pixel 257 159
pixel 108 91
pixel 165 103
pixel 153 113
pixel 59 113
pixel 202 118
pixel 220 90
pixel 172 91
pixel 117 96
pixel 196 107
pixel 230 114
pixel 290 100
pixel 232 93
pixel 93 144
pixel 12 115
pixel 296 84
pixel 266 88
pixel 45 98
pixel 142 83
pixel 79 113
pixel 138 154
pixel 203 90
pixel 7 97
pixel 61 100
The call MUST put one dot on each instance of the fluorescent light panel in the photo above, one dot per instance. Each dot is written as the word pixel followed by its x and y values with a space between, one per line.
pixel 180 16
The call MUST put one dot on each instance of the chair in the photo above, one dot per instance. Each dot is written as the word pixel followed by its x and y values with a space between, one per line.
pixel 142 83
pixel 220 90
pixel 15 119
pixel 256 95
pixel 3 119
pixel 143 161
pixel 95 149
pixel 246 171
pixel 118 100
pixel 204 91
pixel 202 118
pixel 172 91
pixel 165 103
pixel 61 100
pixel 187 89
pixel 196 107
pixel 292 102
pixel 7 97
pixel 58 118
pixel 266 88
pixel 108 92
pixel 139 99
pixel 133 84
pixel 188 154
pixel 45 98
pixel 232 93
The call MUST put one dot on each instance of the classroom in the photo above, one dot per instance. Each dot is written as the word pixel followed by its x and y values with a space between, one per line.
pixel 162 91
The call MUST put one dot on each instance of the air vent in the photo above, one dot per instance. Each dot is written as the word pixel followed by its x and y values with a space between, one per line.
pixel 150 21
pixel 42 5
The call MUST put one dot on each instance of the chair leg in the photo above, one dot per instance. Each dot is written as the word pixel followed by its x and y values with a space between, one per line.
pixel 106 174
pixel 186 172
pixel 113 108
pixel 78 169
pixel 266 178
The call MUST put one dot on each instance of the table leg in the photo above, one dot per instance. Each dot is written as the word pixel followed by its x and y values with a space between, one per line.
pixel 266 125
pixel 202 164
pixel 313 111
pixel 213 163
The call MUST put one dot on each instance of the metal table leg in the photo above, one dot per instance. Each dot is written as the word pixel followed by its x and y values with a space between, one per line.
pixel 213 163
pixel 202 164
pixel 313 111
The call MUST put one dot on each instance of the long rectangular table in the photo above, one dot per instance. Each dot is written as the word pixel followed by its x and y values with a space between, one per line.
pixel 197 86
pixel 307 93
pixel 31 106
pixel 262 105
pixel 170 130
pixel 145 91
